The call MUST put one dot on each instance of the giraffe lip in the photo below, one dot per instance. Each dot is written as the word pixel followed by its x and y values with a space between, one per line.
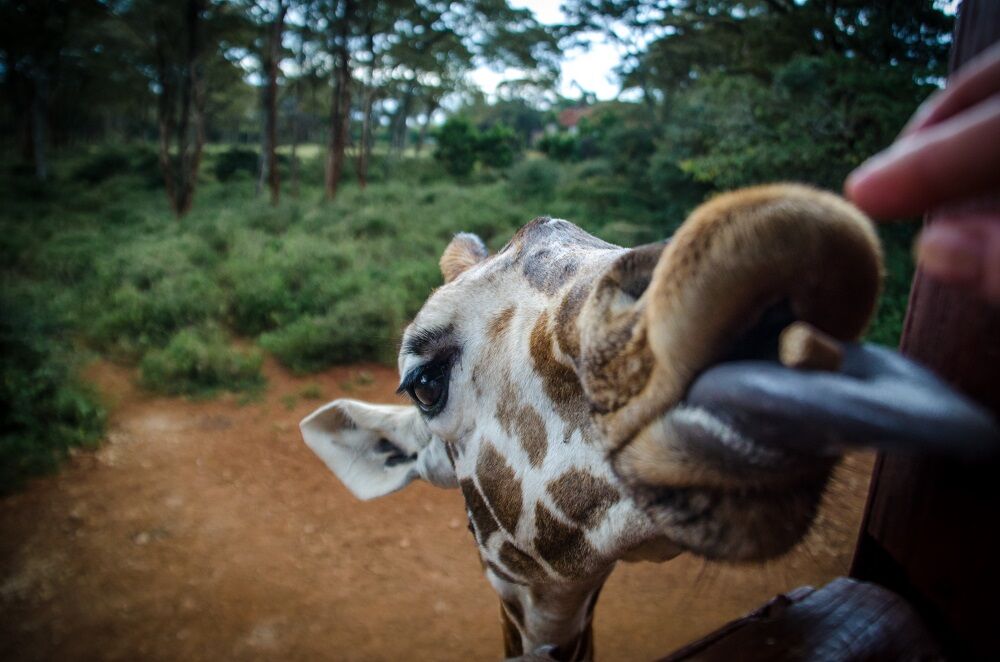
pixel 877 399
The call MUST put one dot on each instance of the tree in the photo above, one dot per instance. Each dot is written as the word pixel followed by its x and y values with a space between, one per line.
pixel 456 146
pixel 175 45
pixel 408 51
pixel 272 16
pixel 39 42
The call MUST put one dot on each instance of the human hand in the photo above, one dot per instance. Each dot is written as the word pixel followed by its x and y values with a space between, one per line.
pixel 948 152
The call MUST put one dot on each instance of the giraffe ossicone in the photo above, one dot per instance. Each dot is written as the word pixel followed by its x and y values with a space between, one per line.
pixel 594 403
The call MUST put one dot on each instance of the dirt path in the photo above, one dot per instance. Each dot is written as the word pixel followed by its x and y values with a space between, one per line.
pixel 207 530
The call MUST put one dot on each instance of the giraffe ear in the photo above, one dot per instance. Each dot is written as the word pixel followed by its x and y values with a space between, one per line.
pixel 464 251
pixel 376 449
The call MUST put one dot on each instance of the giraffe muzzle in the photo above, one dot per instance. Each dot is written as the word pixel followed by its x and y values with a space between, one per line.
pixel 739 395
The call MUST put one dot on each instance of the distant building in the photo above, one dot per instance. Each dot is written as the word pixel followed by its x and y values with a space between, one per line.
pixel 569 118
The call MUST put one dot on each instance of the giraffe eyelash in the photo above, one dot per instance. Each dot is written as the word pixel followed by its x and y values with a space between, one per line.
pixel 430 395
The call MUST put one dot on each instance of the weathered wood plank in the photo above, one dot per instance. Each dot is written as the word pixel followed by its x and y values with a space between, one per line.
pixel 844 620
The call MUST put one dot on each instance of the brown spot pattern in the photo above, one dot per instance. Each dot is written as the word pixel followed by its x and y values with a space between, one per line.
pixel 567 334
pixel 501 488
pixel 583 497
pixel 498 325
pixel 563 547
pixel 522 421
pixel 520 563
pixel 482 518
pixel 619 367
pixel 559 381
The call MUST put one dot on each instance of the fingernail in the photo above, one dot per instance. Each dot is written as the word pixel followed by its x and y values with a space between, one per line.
pixel 854 180
pixel 949 254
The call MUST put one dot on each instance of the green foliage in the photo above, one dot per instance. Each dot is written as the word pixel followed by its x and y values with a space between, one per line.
pixel 147 289
pixel 897 244
pixel 200 361
pixel 105 162
pixel 534 179
pixel 47 409
pixel 497 146
pixel 460 146
pixel 364 326
pixel 102 165
pixel 456 146
pixel 558 146
pixel 236 160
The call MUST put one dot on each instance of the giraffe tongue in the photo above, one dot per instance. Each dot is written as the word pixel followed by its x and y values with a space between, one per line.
pixel 877 398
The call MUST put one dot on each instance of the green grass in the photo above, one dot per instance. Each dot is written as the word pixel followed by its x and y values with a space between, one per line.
pixel 95 260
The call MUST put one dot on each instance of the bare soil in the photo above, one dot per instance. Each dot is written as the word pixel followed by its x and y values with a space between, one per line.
pixel 206 530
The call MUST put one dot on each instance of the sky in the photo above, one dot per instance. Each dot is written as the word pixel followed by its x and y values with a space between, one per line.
pixel 590 68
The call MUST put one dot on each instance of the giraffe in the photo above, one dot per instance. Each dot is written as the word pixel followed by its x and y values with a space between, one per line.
pixel 595 404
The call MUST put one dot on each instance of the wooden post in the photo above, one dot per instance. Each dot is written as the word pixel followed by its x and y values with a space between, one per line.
pixel 931 531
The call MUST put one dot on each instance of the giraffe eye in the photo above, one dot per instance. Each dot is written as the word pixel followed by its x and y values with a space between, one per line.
pixel 429 387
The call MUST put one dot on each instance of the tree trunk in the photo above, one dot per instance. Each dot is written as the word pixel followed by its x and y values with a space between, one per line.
pixel 39 124
pixel 192 112
pixel 165 122
pixel 340 107
pixel 432 106
pixel 269 153
pixel 263 162
pixel 180 174
pixel 340 111
pixel 399 120
pixel 364 153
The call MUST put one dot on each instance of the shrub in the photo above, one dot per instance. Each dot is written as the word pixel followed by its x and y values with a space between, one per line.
pixel 497 146
pixel 102 165
pixel 47 409
pixel 456 146
pixel 234 160
pixel 363 328
pixel 534 178
pixel 133 319
pixel 272 282
pixel 558 146
pixel 199 361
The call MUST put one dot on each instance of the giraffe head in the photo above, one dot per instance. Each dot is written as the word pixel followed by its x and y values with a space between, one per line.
pixel 595 403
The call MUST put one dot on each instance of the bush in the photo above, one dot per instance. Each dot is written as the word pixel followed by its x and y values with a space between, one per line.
pixel 534 178
pixel 558 146
pixel 199 361
pixel 456 146
pixel 497 146
pixel 47 409
pixel 102 165
pixel 357 329
pixel 273 282
pixel 132 319
pixel 235 160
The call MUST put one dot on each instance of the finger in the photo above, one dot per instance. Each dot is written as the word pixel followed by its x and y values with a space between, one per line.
pixel 974 82
pixel 964 252
pixel 954 159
